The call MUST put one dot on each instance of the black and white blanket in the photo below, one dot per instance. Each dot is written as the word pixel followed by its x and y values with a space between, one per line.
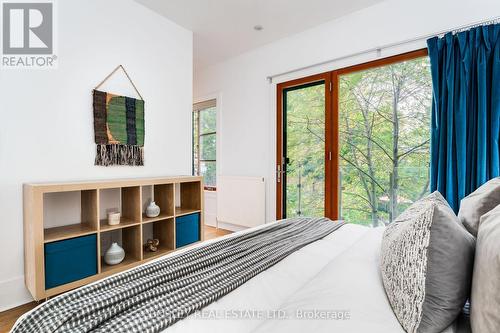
pixel 152 297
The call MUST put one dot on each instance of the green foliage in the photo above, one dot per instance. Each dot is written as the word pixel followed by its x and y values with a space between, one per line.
pixel 208 120
pixel 305 132
pixel 208 172
pixel 205 145
pixel 208 146
pixel 384 125
pixel 384 140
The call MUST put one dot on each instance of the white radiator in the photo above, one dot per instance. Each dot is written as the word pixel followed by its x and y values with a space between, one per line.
pixel 241 201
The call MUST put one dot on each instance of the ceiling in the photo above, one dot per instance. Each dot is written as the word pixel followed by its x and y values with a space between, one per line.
pixel 225 28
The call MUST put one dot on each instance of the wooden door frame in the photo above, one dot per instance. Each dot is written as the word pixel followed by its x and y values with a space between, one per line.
pixel 331 80
pixel 280 88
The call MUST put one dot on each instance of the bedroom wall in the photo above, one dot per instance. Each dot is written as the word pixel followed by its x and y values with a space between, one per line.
pixel 247 114
pixel 46 115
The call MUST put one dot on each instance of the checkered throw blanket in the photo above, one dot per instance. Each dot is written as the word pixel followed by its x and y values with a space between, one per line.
pixel 153 297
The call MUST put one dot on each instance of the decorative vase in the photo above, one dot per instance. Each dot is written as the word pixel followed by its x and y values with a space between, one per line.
pixel 114 255
pixel 114 218
pixel 153 210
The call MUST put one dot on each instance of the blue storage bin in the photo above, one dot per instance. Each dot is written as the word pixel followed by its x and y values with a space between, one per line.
pixel 70 260
pixel 187 229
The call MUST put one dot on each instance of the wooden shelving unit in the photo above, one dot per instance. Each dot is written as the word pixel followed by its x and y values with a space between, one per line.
pixel 67 231
pixel 180 211
pixel 164 230
pixel 154 219
pixel 124 223
pixel 87 203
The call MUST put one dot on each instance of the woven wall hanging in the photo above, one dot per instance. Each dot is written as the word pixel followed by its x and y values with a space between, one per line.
pixel 118 126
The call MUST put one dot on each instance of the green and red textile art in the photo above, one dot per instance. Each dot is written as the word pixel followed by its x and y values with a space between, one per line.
pixel 118 129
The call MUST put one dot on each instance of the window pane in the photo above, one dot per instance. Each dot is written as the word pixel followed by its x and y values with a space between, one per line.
pixel 384 126
pixel 208 119
pixel 207 147
pixel 305 151
pixel 208 172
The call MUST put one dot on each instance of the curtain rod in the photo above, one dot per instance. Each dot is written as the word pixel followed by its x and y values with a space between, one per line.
pixel 388 46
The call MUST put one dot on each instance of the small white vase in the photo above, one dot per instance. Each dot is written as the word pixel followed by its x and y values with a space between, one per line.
pixel 114 255
pixel 153 210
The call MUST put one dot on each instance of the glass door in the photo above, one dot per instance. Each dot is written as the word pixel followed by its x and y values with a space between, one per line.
pixel 353 144
pixel 302 156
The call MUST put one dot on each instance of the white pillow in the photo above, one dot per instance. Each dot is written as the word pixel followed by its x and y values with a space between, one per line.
pixel 426 263
pixel 478 203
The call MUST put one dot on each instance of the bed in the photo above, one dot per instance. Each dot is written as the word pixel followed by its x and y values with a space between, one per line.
pixel 330 285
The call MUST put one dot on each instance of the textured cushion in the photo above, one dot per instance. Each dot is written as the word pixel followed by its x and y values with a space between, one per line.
pixel 426 263
pixel 479 203
pixel 485 297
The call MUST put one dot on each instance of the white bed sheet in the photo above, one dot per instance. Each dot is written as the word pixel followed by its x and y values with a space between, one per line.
pixel 338 274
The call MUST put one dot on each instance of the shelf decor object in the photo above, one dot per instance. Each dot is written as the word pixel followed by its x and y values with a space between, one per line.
pixel 114 255
pixel 114 218
pixel 118 126
pixel 153 210
pixel 152 245
pixel 67 234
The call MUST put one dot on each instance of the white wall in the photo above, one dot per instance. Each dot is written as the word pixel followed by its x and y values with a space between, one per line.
pixel 210 208
pixel 46 129
pixel 247 137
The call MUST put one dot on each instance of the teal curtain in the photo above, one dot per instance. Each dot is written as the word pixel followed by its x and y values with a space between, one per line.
pixel 465 111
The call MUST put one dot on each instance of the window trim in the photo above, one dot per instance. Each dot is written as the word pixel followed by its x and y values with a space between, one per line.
pixel 197 108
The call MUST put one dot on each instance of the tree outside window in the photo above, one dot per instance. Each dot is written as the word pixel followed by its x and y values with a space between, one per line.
pixel 384 129
pixel 205 142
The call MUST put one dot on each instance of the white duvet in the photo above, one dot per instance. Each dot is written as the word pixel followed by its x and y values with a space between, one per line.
pixel 331 285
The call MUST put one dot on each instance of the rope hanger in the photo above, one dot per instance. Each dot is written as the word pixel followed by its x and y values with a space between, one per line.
pixel 128 77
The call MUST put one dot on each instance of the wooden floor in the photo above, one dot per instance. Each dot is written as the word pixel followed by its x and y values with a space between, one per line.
pixel 9 317
pixel 211 232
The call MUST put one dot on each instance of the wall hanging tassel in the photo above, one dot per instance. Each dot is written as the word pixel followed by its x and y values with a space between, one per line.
pixel 116 154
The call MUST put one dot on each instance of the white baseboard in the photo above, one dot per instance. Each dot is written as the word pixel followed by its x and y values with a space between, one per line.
pixel 13 293
pixel 230 227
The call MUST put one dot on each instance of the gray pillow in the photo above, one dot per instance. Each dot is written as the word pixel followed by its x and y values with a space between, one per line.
pixel 485 297
pixel 479 203
pixel 426 264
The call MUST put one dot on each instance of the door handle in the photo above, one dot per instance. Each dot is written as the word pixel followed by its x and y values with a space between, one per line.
pixel 278 173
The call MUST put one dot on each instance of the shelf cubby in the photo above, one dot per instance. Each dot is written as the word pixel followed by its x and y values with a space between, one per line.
pixel 131 203
pixel 164 231
pixel 129 239
pixel 126 200
pixel 63 221
pixel 147 196
pixel 188 198
pixel 66 211
pixel 163 195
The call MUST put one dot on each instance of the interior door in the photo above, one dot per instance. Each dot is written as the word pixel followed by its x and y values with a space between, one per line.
pixel 304 148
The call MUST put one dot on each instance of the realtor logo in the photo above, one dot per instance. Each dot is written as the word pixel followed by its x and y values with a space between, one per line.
pixel 28 34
